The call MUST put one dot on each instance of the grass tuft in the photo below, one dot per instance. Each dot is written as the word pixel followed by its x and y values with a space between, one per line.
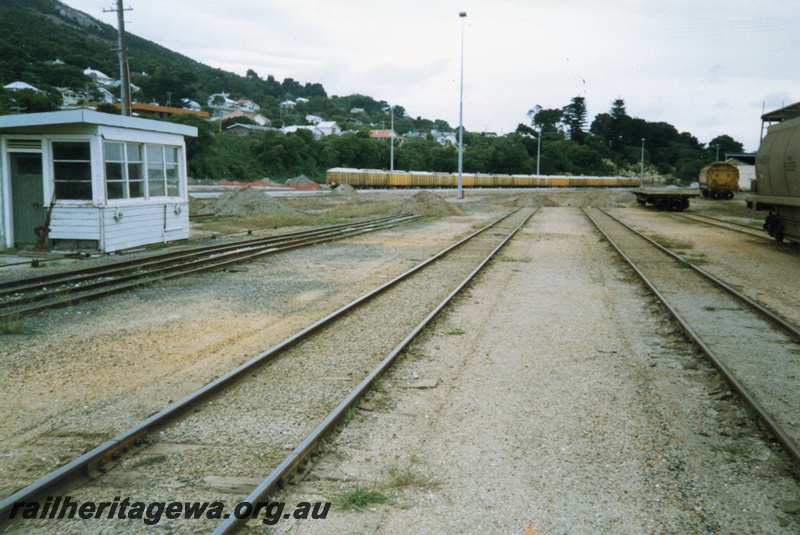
pixel 358 498
pixel 455 332
pixel 16 325
pixel 405 477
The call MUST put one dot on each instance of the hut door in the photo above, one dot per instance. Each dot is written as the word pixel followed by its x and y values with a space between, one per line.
pixel 27 196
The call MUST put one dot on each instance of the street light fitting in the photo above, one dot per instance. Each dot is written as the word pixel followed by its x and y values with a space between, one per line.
pixel 462 14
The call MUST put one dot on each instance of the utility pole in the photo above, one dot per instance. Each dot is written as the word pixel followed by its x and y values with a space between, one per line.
pixel 124 72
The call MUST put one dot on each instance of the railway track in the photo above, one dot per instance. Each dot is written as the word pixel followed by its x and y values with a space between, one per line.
pixel 242 422
pixel 722 223
pixel 27 296
pixel 756 351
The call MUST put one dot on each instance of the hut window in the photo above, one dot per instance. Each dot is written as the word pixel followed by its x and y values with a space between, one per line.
pixel 124 163
pixel 72 170
pixel 134 170
pixel 162 171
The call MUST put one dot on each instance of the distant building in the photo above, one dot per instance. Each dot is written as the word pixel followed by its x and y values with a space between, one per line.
pixel 190 104
pixel 245 130
pixel 247 105
pixel 154 111
pixel 383 134
pixel 221 101
pixel 70 98
pixel 329 128
pixel 746 163
pixel 294 128
pixel 21 86
pixel 259 119
pixel 444 138
pixel 98 77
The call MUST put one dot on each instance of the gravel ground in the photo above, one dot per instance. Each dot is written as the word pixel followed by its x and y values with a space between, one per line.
pixel 569 405
pixel 565 401
pixel 87 372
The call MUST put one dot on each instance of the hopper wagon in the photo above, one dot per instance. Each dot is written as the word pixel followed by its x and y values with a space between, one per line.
pixel 719 180
pixel 776 188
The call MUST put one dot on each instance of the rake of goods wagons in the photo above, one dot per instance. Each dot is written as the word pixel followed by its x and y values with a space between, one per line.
pixel 375 178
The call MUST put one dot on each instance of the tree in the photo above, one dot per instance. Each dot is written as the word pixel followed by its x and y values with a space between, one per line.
pixel 726 145
pixel 574 118
pixel 618 127
pixel 546 120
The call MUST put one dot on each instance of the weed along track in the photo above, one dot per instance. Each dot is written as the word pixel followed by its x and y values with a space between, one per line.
pixel 722 223
pixel 224 439
pixel 755 350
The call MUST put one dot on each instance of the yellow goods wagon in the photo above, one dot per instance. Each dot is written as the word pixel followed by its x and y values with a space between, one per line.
pixel 719 180
pixel 559 182
pixel 374 178
pixel 400 179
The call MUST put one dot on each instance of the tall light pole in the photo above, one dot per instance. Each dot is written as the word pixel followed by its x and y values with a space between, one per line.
pixel 538 151
pixel 460 194
pixel 641 174
pixel 391 137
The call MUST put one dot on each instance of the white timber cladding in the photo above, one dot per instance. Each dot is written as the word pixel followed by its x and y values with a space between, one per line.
pixel 146 210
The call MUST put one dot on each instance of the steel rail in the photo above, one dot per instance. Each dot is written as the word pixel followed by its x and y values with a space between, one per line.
pixel 781 436
pixel 297 456
pixel 175 259
pixel 234 255
pixel 65 277
pixel 791 329
pixel 716 222
pixel 102 457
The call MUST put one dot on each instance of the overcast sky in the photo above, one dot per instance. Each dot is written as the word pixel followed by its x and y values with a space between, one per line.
pixel 706 67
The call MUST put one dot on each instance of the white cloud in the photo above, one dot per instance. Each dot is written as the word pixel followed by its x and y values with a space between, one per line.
pixel 704 67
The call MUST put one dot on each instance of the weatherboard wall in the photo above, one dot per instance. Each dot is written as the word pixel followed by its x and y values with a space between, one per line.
pixel 100 222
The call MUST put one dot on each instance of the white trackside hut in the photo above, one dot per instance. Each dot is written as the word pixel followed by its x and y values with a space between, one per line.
pixel 115 182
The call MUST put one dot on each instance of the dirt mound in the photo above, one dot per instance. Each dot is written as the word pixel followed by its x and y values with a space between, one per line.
pixel 345 189
pixel 245 201
pixel 200 206
pixel 426 203
pixel 301 180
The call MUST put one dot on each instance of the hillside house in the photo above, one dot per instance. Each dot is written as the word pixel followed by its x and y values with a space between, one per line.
pixel 245 130
pixel 98 77
pixel 21 86
pixel 154 111
pixel 383 134
pixel 71 98
pixel 115 182
pixel 311 128
pixel 329 128
pixel 257 118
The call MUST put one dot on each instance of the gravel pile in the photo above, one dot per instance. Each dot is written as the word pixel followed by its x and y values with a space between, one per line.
pixel 244 201
pixel 345 189
pixel 301 180
pixel 426 203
